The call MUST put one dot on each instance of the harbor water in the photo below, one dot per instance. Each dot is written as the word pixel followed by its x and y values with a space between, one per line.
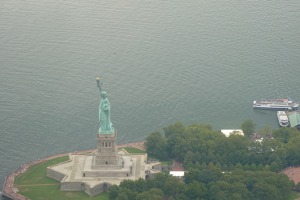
pixel 160 62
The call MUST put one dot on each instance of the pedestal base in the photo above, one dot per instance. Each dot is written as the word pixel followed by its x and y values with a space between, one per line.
pixel 122 169
pixel 79 174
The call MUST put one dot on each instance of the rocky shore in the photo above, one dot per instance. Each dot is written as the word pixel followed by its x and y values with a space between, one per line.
pixel 10 192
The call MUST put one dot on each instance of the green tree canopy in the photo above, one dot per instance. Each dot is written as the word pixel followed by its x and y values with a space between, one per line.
pixel 248 127
pixel 156 145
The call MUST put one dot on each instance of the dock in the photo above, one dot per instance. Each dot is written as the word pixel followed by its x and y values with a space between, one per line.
pixel 294 118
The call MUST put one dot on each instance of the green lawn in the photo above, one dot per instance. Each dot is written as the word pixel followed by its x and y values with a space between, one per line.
pixel 37 173
pixel 166 162
pixel 35 185
pixel 133 150
pixel 163 162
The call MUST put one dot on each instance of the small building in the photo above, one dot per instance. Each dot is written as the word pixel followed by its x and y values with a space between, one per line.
pixel 178 174
pixel 294 118
pixel 228 132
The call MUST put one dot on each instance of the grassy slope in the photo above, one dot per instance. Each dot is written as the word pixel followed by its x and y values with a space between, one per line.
pixel 133 150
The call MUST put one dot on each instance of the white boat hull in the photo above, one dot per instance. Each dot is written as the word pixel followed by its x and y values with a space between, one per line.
pixel 275 104
pixel 282 118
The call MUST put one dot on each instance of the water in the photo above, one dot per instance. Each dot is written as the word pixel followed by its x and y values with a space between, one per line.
pixel 160 62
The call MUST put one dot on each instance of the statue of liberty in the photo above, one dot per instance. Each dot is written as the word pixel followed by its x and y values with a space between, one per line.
pixel 104 115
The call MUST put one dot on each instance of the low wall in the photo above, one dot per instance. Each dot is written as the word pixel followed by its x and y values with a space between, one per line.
pixel 80 186
pixel 4 195
pixel 72 186
pixel 54 174
pixel 8 192
pixel 101 187
pixel 95 190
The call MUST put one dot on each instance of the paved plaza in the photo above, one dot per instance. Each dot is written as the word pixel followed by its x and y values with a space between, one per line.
pixel 73 173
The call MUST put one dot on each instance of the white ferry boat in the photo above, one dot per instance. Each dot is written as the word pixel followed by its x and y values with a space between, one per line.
pixel 275 104
pixel 283 119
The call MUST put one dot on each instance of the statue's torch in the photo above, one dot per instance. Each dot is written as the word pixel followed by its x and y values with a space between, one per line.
pixel 98 83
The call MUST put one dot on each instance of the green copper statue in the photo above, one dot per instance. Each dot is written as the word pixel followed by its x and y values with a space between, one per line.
pixel 104 114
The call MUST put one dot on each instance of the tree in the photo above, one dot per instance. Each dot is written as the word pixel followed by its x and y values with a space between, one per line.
pixel 284 185
pixel 234 149
pixel 293 153
pixel 146 196
pixel 128 184
pixel 173 134
pixel 158 181
pixel 156 145
pixel 297 187
pixel 196 190
pixel 140 185
pixel 222 190
pixel 274 167
pixel 176 129
pixel 248 128
pixel 265 191
pixel 113 192
pixel 285 134
pixel 191 176
pixel 266 132
pixel 122 196
pixel 188 158
pixel 219 167
pixel 209 175
pixel 127 194
pixel 173 186
pixel 152 194
pixel 157 192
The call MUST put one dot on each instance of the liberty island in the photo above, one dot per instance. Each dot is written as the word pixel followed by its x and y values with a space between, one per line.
pixel 95 172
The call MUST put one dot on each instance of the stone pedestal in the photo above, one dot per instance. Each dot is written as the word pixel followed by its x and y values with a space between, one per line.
pixel 124 169
pixel 107 153
pixel 107 162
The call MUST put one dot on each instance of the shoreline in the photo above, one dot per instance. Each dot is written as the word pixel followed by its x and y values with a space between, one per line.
pixel 10 192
